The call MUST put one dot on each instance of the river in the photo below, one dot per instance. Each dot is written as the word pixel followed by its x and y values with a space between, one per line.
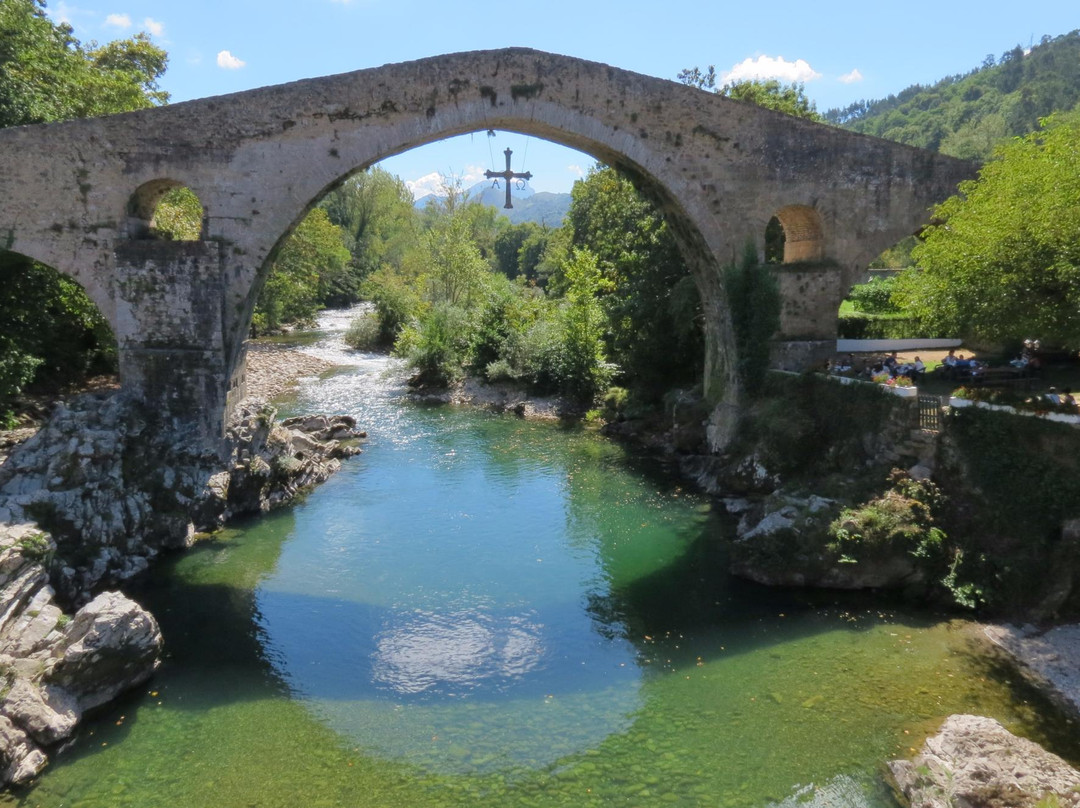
pixel 485 611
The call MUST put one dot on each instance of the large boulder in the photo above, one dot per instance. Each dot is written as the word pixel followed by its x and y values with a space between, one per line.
pixel 53 666
pixel 974 761
pixel 112 645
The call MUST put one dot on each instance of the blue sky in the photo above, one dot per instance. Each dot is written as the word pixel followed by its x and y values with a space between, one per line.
pixel 843 50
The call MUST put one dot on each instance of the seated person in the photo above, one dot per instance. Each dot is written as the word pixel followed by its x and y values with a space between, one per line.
pixel 1052 396
pixel 915 369
pixel 891 363
pixel 1067 397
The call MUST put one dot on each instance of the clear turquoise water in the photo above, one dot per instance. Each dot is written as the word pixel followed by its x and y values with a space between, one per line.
pixel 482 611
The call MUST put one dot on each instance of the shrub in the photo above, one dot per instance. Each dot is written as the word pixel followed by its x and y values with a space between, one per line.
pixel 754 300
pixel 364 333
pixel 867 326
pixel 874 297
pixel 437 346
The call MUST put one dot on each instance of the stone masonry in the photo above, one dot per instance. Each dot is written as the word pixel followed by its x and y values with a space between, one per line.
pixel 80 197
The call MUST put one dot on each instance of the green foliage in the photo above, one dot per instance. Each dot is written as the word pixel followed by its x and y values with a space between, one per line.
pixel 1003 261
pixel 36 547
pixel 787 98
pixel 1020 483
pixel 968 116
pixel 178 216
pixel 437 346
pixel 880 326
pixel 897 256
pixel 874 297
pixel 902 519
pixel 585 373
pixel 754 300
pixel 653 310
pixel 53 333
pixel 396 303
pixel 48 75
pixel 809 427
pixel 375 211
pixel 363 333
pixel 519 250
pixel 293 289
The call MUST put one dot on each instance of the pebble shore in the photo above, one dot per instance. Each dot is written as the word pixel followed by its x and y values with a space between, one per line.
pixel 273 369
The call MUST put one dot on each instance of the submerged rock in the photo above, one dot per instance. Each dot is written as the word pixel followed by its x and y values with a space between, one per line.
pixel 975 761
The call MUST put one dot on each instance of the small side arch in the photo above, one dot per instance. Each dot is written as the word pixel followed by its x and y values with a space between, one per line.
pixel 794 234
pixel 165 209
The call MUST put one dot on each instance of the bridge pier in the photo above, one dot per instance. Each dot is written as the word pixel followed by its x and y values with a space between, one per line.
pixel 169 329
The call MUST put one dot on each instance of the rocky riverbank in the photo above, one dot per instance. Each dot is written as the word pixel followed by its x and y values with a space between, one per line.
pixel 87 501
pixel 54 666
pixel 273 369
pixel 974 761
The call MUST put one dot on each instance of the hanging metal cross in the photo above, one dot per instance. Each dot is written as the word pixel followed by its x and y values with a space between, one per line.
pixel 508 175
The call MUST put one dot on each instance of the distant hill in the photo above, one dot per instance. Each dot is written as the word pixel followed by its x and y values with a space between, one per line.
pixel 966 115
pixel 529 206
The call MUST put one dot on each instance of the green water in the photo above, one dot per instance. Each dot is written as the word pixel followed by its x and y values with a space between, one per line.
pixel 480 611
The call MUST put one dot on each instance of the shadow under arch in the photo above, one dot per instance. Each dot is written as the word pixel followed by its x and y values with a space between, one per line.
pixel 55 333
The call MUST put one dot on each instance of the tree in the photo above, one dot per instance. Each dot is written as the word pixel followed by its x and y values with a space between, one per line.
pixel 651 335
pixel 787 98
pixel 46 74
pixel 314 250
pixel 769 93
pixel 585 373
pixel 375 210
pixel 1002 261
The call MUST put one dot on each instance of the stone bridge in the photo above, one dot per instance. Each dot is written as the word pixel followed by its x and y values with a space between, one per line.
pixel 80 196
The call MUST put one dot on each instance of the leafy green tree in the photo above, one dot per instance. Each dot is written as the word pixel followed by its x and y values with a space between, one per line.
pixel 375 211
pixel 46 74
pixel 1002 261
pixel 178 216
pixel 787 98
pixel 519 248
pixel 653 335
pixel 585 373
pixel 456 271
pixel 769 93
pixel 754 300
pixel 292 291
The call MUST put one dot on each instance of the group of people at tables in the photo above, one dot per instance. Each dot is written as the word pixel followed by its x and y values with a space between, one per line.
pixel 891 365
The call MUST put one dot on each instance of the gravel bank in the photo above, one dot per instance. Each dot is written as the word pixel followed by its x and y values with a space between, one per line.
pixel 273 369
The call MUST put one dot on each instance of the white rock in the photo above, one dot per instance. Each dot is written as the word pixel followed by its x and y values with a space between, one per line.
pixel 972 757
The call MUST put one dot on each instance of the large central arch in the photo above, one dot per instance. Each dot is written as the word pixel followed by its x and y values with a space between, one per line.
pixel 76 195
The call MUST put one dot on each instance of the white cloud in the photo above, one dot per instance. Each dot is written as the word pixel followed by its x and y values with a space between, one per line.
pixel 228 61
pixel 118 21
pixel 428 184
pixel 576 170
pixel 153 26
pixel 770 67
pixel 852 77
pixel 434 182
